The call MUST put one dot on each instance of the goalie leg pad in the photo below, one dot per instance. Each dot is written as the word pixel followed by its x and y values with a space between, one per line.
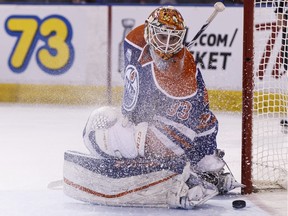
pixel 107 182
pixel 88 179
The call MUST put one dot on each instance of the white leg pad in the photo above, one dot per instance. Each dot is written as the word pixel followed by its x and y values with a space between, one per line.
pixel 86 179
pixel 86 183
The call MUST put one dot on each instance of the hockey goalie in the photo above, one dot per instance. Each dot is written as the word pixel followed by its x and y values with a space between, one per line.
pixel 159 149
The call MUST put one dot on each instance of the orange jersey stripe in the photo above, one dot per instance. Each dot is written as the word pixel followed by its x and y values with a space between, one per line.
pixel 87 190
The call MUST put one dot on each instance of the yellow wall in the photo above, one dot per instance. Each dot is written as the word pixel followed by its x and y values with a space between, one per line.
pixel 60 94
pixel 52 94
pixel 220 100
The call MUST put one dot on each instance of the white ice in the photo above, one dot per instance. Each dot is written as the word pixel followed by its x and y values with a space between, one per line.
pixel 33 139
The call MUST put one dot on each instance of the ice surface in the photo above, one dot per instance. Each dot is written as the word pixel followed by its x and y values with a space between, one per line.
pixel 33 140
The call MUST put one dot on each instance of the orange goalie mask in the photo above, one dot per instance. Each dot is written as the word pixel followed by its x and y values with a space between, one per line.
pixel 165 31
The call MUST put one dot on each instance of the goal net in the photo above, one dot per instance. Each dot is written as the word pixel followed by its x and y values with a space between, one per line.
pixel 265 147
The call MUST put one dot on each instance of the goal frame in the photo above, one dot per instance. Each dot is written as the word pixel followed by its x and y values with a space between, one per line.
pixel 264 153
pixel 247 96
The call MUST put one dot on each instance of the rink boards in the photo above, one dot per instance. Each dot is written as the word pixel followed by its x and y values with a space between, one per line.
pixel 84 69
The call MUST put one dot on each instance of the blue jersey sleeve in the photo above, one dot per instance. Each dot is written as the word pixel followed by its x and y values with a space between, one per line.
pixel 139 98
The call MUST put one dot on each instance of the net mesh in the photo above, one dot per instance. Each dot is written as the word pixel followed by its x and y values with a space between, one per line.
pixel 270 112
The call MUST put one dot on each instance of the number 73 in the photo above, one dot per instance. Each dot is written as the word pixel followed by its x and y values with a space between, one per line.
pixel 54 57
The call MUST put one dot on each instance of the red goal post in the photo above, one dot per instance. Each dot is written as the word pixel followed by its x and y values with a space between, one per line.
pixel 264 96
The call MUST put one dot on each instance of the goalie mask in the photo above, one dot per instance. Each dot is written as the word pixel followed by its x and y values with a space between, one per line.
pixel 165 31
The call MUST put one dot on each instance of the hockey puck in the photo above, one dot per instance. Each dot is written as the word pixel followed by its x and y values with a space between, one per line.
pixel 237 204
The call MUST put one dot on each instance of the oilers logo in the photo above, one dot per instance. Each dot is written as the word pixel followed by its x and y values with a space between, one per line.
pixel 131 82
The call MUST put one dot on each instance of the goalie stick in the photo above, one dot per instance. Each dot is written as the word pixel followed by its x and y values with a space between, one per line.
pixel 218 7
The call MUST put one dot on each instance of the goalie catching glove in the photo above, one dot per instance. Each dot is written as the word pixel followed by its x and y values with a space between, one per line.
pixel 108 134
